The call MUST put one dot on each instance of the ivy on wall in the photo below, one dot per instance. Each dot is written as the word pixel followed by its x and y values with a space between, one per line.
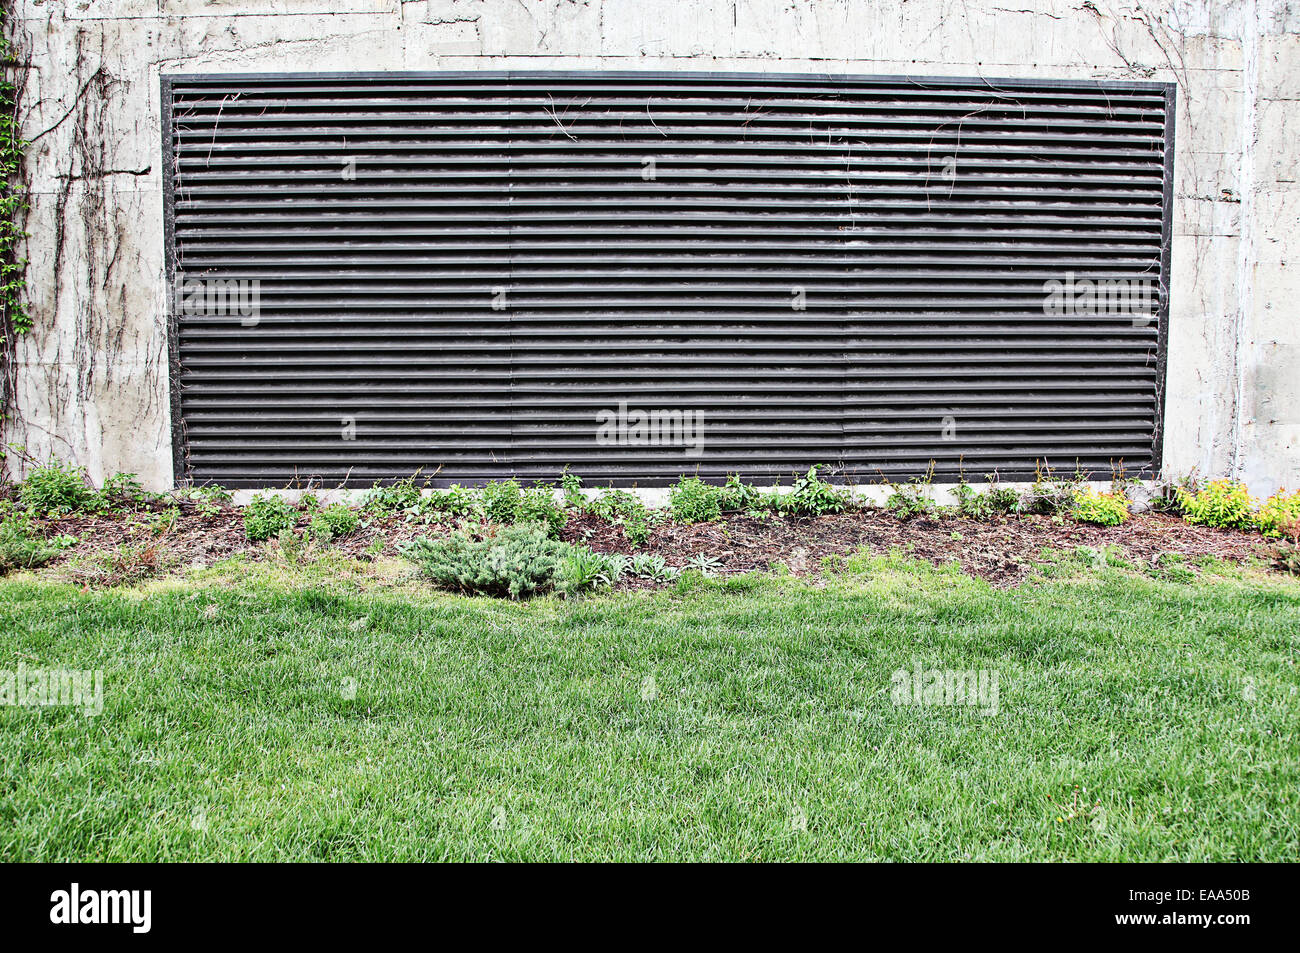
pixel 13 202
pixel 14 319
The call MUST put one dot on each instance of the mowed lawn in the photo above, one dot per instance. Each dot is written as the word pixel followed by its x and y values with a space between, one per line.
pixel 310 714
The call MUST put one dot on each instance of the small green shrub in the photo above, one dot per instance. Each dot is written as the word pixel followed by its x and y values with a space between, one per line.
pixel 400 498
pixel 627 510
pixel 636 527
pixel 970 502
pixel 811 496
pixel 1277 513
pixel 208 500
pixel 767 504
pixel 212 493
pixel 571 484
pixel 612 504
pixel 907 500
pixel 21 546
pixel 737 496
pixel 501 502
pixel 808 496
pixel 56 488
pixel 1225 503
pixel 456 501
pixel 538 505
pixel 1104 509
pixel 694 501
pixel 122 491
pixel 268 515
pixel 516 561
pixel 996 500
pixel 333 522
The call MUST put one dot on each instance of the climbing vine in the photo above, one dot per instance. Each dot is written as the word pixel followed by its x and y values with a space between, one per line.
pixel 13 201
pixel 14 319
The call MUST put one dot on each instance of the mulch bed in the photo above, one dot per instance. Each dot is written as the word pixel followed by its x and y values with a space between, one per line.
pixel 1002 551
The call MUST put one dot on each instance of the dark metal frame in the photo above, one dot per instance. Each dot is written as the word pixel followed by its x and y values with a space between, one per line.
pixel 1166 280
pixel 1169 90
pixel 884 79
pixel 180 475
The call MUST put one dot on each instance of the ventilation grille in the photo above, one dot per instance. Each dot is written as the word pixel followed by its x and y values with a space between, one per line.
pixel 468 274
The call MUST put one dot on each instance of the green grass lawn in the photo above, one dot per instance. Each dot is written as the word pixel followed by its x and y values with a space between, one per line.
pixel 751 721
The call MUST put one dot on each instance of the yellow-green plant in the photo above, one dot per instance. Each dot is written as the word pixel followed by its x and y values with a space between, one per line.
pixel 1105 509
pixel 1219 503
pixel 1278 512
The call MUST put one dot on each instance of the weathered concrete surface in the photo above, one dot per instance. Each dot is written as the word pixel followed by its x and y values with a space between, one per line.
pixel 91 377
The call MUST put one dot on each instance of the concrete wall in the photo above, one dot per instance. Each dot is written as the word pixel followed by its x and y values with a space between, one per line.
pixel 91 377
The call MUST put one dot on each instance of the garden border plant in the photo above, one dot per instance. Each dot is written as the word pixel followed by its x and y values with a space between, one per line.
pixel 517 560
pixel 56 490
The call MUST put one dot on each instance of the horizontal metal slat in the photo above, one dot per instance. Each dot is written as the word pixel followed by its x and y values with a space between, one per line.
pixel 922 295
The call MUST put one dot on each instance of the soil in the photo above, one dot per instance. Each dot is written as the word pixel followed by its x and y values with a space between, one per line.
pixel 1002 551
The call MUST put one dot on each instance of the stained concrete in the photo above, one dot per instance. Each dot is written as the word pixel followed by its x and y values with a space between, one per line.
pixel 91 377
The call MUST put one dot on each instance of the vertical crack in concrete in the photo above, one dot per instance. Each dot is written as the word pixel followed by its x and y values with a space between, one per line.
pixel 1251 26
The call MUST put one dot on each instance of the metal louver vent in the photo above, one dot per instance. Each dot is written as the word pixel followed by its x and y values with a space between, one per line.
pixel 467 273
